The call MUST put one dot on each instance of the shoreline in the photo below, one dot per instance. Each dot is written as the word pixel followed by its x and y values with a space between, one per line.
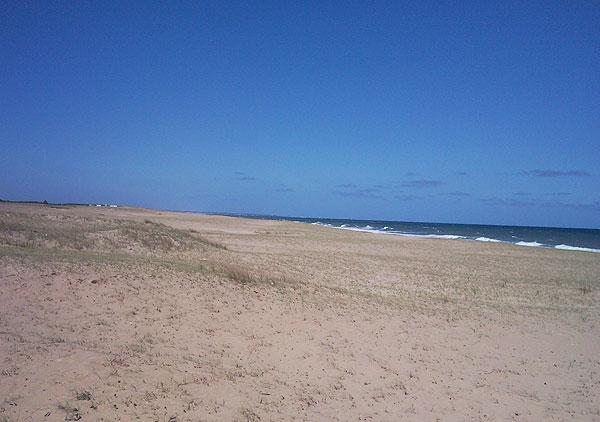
pixel 480 239
pixel 317 221
pixel 483 239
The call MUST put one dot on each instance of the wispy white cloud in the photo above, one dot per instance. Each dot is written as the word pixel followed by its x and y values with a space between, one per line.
pixel 555 173
pixel 422 183
pixel 533 202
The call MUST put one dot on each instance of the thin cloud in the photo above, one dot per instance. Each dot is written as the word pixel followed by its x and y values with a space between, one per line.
pixel 422 184
pixel 285 190
pixel 407 198
pixel 510 202
pixel 460 173
pixel 594 206
pixel 559 194
pixel 359 193
pixel 351 190
pixel 370 190
pixel 555 173
pixel 518 203
pixel 240 175
pixel 459 194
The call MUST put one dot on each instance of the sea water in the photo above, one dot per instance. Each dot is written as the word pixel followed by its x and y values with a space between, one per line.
pixel 586 240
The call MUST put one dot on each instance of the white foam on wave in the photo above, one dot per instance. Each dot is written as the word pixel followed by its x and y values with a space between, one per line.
pixel 359 229
pixel 487 239
pixel 443 236
pixel 370 229
pixel 533 244
pixel 430 236
pixel 576 248
pixel 318 223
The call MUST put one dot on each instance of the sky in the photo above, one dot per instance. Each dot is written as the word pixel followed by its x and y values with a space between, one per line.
pixel 482 112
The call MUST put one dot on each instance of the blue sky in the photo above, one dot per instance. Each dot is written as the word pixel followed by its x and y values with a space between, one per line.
pixel 424 111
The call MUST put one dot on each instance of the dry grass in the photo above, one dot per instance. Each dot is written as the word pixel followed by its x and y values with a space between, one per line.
pixel 115 240
pixel 239 275
pixel 83 395
pixel 246 277
pixel 459 281
pixel 101 234
pixel 71 412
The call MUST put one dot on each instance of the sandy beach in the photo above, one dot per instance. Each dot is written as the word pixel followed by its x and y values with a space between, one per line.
pixel 129 314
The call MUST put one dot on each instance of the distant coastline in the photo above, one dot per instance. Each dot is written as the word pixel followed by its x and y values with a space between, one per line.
pixel 561 238
pixel 59 204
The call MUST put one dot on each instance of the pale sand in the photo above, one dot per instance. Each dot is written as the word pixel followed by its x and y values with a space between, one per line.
pixel 104 316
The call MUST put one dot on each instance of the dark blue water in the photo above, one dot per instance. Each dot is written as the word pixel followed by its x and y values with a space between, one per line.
pixel 587 240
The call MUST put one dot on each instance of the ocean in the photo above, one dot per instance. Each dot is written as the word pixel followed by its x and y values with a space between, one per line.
pixel 585 240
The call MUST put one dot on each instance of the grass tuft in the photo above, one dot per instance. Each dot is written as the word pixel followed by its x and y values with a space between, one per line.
pixel 244 276
pixel 72 412
pixel 83 395
pixel 240 275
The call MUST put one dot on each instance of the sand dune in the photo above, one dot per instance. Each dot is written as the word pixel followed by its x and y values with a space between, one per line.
pixel 130 314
